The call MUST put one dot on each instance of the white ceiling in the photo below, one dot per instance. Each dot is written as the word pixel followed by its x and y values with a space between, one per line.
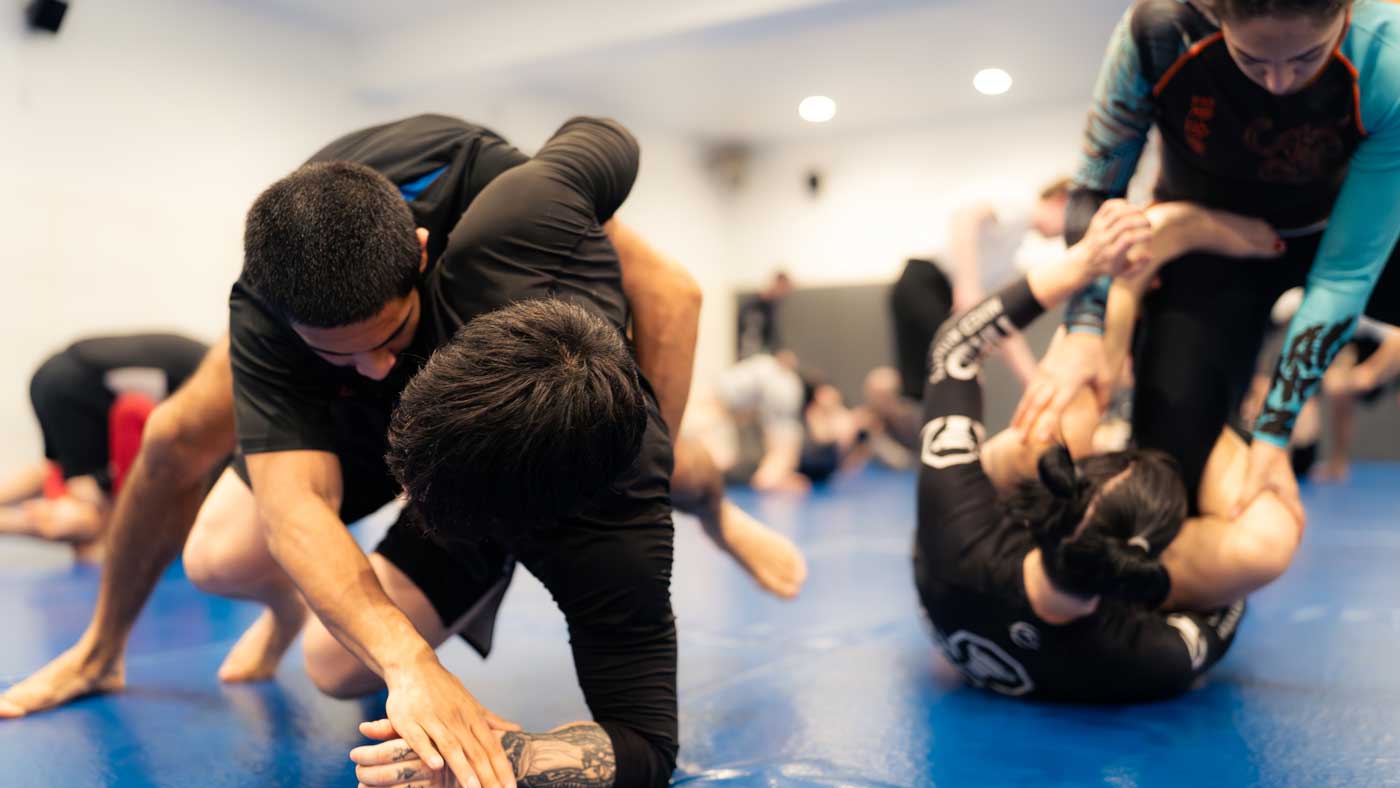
pixel 730 70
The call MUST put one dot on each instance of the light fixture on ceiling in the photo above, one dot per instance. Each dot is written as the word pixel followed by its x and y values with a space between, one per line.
pixel 817 109
pixel 992 81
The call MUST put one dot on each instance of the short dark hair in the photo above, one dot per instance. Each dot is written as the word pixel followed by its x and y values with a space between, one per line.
pixel 517 421
pixel 330 245
pixel 1240 10
pixel 1130 522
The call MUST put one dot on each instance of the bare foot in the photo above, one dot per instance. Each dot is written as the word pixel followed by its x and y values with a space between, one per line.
pixel 79 516
pixel 1233 235
pixel 70 676
pixel 1221 232
pixel 91 552
pixel 771 558
pixel 257 653
pixel 1332 471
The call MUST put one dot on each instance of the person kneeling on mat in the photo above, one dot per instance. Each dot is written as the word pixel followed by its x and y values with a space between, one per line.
pixel 92 400
pixel 1077 578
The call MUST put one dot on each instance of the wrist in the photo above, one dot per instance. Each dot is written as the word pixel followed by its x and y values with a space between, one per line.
pixel 1077 268
pixel 406 660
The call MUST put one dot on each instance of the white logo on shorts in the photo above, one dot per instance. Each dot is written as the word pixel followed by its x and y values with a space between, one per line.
pixel 1025 636
pixel 1196 645
pixel 951 440
pixel 986 664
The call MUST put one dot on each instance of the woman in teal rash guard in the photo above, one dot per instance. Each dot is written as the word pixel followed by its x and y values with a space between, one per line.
pixel 1286 111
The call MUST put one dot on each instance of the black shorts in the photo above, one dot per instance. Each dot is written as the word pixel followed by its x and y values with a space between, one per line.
pixel 71 398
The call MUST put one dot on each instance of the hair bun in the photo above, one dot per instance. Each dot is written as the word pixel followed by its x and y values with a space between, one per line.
pixel 1057 472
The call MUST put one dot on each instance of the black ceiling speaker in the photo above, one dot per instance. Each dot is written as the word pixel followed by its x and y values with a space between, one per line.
pixel 46 14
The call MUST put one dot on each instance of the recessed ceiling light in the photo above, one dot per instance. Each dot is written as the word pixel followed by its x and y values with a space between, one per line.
pixel 992 81
pixel 817 109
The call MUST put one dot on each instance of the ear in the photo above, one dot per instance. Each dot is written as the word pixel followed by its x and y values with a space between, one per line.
pixel 423 245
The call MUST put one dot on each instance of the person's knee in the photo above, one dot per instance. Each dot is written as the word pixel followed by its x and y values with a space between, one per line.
pixel 212 561
pixel 225 558
pixel 1269 550
pixel 334 670
pixel 172 448
pixel 1265 538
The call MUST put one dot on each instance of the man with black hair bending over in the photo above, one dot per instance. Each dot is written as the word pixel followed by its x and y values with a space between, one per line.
pixel 340 303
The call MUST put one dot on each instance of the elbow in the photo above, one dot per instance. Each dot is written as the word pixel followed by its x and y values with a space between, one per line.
pixel 684 291
pixel 690 296
pixel 644 759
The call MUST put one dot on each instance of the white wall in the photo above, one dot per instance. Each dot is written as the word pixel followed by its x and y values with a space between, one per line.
pixel 134 141
pixel 886 196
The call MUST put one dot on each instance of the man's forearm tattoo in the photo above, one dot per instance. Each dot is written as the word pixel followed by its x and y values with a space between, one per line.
pixel 579 756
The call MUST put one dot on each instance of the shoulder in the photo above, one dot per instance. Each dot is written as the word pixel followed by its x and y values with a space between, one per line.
pixel 410 135
pixel 255 331
pixel 1163 30
pixel 1372 46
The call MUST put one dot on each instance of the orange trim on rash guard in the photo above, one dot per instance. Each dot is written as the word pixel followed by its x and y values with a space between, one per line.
pixel 1199 47
pixel 1355 75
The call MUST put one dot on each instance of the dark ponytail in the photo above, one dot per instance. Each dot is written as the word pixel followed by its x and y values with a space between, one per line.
pixel 1116 553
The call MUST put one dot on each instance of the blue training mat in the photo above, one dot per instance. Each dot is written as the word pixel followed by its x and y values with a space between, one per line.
pixel 839 688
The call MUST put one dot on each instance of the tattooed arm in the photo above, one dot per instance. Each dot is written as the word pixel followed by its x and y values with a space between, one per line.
pixel 577 755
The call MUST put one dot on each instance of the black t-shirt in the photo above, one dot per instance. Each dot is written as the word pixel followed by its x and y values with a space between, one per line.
pixel 288 398
pixel 968 558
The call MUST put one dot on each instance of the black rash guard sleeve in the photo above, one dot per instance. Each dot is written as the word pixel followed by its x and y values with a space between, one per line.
pixel 535 232
pixel 957 503
pixel 599 158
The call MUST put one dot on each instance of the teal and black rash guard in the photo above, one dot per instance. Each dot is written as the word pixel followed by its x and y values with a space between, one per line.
pixel 1328 155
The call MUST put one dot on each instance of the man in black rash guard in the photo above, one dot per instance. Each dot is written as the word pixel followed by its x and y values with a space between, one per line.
pixel 535 232
pixel 312 407
pixel 972 564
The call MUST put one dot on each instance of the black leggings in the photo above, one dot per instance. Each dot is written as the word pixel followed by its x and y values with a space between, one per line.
pixel 1199 341
pixel 1197 346
pixel 920 301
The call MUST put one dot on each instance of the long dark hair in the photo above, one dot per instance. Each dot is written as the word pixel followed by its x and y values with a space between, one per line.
pixel 1131 520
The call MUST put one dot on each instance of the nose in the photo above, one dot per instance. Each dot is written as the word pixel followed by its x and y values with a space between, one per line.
pixel 375 365
pixel 1277 81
